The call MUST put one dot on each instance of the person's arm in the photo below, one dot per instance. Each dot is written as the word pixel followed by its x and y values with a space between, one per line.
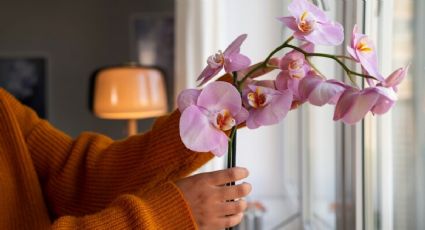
pixel 211 205
pixel 83 175
pixel 163 207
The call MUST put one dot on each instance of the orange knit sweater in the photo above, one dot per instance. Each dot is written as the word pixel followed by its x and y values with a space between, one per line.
pixel 48 180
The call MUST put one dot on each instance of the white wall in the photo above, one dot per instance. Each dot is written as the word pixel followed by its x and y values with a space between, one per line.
pixel 78 37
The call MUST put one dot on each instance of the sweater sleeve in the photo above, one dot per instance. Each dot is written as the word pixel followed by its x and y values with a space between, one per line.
pixel 160 208
pixel 82 176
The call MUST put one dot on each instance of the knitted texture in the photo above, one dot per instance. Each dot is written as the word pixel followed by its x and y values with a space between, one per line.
pixel 49 180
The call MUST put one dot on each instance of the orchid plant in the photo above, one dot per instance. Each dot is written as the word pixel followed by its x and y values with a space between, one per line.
pixel 211 115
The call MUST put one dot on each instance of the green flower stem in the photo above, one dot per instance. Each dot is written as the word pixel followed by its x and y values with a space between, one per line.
pixel 286 44
pixel 235 78
pixel 347 70
pixel 315 68
pixel 231 150
pixel 231 155
pixel 345 57
pixel 264 63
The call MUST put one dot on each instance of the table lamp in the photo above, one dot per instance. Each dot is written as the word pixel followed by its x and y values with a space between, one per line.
pixel 129 92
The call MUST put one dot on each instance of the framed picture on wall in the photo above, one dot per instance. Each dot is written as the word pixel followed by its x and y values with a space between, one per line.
pixel 25 78
pixel 152 44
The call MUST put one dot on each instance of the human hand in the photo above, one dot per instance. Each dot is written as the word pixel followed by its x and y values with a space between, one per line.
pixel 214 205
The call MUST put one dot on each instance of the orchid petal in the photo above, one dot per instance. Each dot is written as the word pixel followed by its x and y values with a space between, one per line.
pixel 308 47
pixel 273 112
pixel 335 99
pixel 363 50
pixel 236 62
pixel 265 83
pixel 220 95
pixel 222 146
pixel 396 77
pixel 241 116
pixel 307 85
pixel 386 100
pixel 197 133
pixel 300 36
pixel 320 30
pixel 293 85
pixel 289 22
pixel 207 74
pixel 251 122
pixel 324 93
pixel 363 103
pixel 282 81
pixel 370 63
pixel 187 98
pixel 298 7
pixel 354 35
pixel 345 103
pixel 352 53
pixel 327 34
pixel 290 57
pixel 234 47
pixel 382 106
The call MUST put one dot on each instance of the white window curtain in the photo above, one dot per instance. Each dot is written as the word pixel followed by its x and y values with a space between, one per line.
pixel 198 35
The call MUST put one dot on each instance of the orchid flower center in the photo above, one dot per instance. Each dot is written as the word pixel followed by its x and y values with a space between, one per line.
pixel 216 60
pixel 306 24
pixel 362 46
pixel 224 120
pixel 295 68
pixel 257 99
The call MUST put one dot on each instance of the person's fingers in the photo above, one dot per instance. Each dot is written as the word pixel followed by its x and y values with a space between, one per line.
pixel 227 175
pixel 230 221
pixel 234 192
pixel 232 207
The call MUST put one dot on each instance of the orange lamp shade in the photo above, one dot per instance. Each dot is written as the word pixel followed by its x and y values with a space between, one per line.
pixel 129 92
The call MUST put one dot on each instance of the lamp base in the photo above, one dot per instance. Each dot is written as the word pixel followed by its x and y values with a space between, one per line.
pixel 132 127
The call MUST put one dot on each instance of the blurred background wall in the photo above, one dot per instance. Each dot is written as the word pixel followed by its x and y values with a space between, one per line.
pixel 76 37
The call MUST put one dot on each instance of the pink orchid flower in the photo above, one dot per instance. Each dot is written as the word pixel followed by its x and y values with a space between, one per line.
pixel 395 78
pixel 390 85
pixel 207 114
pixel 354 104
pixel 320 92
pixel 266 105
pixel 309 23
pixel 293 67
pixel 363 51
pixel 231 60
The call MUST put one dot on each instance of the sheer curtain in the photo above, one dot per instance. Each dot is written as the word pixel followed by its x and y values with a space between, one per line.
pixel 198 35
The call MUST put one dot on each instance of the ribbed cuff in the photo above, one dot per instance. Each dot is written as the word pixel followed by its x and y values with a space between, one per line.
pixel 169 207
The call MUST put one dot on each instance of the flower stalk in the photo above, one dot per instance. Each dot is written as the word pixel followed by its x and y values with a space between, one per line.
pixel 350 73
pixel 264 63
pixel 346 69
pixel 231 156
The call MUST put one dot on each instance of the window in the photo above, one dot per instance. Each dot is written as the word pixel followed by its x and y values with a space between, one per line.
pixel 396 165
pixel 310 172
